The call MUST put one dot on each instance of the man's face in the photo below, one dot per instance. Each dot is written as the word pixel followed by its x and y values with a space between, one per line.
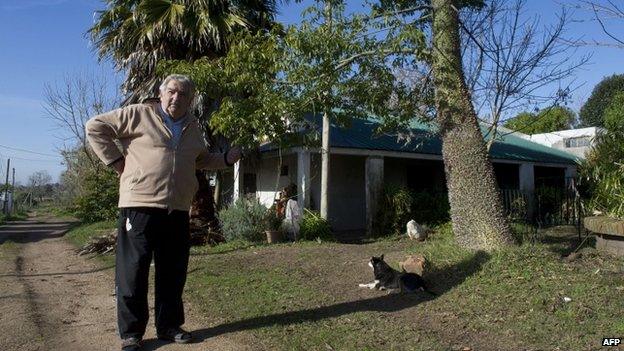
pixel 175 99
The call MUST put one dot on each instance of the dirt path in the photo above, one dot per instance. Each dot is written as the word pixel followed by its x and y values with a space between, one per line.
pixel 53 299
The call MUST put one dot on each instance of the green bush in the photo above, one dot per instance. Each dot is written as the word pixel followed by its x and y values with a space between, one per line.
pixel 430 207
pixel 394 210
pixel 98 202
pixel 243 220
pixel 603 172
pixel 313 226
pixel 399 205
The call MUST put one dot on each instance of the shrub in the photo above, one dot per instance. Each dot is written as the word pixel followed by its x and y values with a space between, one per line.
pixel 98 202
pixel 399 205
pixel 313 226
pixel 394 210
pixel 430 207
pixel 603 171
pixel 243 220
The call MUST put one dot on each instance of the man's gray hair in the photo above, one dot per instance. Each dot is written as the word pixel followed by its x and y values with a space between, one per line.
pixel 186 81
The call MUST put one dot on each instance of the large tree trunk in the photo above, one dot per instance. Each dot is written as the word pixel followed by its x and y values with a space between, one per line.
pixel 476 206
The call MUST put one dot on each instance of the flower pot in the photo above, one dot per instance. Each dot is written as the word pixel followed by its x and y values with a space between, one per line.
pixel 273 236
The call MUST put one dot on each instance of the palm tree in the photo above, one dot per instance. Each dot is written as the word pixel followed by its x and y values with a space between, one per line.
pixel 137 34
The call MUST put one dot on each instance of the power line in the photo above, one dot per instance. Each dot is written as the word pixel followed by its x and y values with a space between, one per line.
pixel 35 160
pixel 24 150
pixel 2 156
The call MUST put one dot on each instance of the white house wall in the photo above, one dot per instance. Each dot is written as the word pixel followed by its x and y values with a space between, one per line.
pixel 267 183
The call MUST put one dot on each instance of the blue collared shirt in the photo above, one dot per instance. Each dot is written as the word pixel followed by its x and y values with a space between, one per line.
pixel 174 126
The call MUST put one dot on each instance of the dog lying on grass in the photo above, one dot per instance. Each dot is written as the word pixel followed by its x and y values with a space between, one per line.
pixel 387 278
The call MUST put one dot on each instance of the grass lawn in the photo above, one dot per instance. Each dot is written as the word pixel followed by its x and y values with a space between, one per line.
pixel 305 296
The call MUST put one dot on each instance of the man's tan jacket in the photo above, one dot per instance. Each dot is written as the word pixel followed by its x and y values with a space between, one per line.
pixel 156 174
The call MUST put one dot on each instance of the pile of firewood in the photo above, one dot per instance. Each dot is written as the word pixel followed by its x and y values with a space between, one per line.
pixel 202 233
pixel 100 244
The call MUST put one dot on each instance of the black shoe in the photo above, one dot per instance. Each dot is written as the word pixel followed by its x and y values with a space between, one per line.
pixel 177 335
pixel 131 344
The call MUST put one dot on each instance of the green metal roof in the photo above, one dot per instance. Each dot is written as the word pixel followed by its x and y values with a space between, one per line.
pixel 361 134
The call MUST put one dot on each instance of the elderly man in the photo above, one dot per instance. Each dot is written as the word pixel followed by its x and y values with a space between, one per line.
pixel 161 147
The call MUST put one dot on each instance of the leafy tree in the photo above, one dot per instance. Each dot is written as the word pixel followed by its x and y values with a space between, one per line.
pixel 335 67
pixel 592 112
pixel 546 121
pixel 614 113
pixel 269 82
pixel 37 182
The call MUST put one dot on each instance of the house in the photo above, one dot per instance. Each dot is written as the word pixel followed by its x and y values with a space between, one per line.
pixel 362 162
pixel 575 141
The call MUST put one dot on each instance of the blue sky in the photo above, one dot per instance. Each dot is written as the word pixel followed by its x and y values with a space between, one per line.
pixel 42 41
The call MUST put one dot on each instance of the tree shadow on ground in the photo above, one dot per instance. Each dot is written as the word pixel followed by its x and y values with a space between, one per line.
pixel 31 231
pixel 452 276
pixel 565 244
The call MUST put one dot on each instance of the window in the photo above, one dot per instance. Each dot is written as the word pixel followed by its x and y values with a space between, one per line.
pixel 284 171
pixel 249 183
pixel 577 141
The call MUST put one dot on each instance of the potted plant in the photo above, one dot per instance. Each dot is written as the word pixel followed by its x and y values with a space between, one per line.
pixel 272 223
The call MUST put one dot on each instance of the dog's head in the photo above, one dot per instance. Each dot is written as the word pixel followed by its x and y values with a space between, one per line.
pixel 378 264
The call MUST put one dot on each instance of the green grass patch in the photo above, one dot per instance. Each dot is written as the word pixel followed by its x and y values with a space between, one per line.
pixel 82 233
pixel 305 295
pixel 222 248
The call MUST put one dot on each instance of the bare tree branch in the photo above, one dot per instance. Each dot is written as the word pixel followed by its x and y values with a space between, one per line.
pixel 513 65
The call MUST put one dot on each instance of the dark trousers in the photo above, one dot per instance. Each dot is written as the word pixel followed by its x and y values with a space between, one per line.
pixel 144 232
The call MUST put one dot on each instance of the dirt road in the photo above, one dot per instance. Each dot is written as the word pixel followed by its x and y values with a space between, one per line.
pixel 53 299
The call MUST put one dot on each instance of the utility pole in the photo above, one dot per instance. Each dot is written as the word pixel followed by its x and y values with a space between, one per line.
pixel 13 192
pixel 5 208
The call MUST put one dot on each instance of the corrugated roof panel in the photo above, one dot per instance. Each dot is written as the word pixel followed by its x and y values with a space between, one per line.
pixel 361 134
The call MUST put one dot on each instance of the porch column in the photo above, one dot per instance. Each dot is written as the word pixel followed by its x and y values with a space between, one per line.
pixel 238 181
pixel 303 179
pixel 374 181
pixel 527 186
